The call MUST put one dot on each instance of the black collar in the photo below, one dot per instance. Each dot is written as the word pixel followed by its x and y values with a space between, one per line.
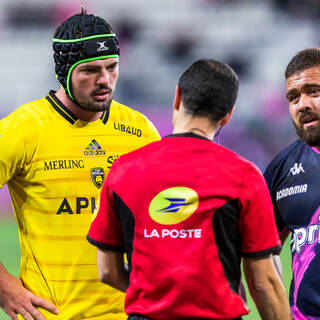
pixel 66 113
pixel 187 134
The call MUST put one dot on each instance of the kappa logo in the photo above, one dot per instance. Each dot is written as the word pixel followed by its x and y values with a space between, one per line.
pixel 296 169
pixel 94 149
pixel 173 205
pixel 102 46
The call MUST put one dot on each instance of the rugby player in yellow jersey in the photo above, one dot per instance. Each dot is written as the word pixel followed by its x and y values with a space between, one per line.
pixel 55 155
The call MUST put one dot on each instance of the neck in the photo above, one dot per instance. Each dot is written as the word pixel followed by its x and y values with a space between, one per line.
pixel 200 132
pixel 80 113
pixel 198 125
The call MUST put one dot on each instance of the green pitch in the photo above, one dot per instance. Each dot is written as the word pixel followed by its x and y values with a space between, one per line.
pixel 9 250
pixel 10 255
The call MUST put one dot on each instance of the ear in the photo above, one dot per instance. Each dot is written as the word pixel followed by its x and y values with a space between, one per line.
pixel 226 118
pixel 177 99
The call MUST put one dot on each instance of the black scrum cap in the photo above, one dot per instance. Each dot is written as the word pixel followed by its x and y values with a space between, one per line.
pixel 81 38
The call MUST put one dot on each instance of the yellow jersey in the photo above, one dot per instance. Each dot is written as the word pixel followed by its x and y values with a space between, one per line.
pixel 54 165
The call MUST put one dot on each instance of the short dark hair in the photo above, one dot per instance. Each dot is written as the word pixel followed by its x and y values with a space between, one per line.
pixel 303 60
pixel 209 88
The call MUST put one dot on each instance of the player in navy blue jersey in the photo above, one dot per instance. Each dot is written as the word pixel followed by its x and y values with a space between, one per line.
pixel 186 211
pixel 293 178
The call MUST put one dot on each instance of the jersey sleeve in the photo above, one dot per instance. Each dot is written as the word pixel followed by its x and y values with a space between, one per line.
pixel 105 231
pixel 257 224
pixel 12 148
pixel 153 132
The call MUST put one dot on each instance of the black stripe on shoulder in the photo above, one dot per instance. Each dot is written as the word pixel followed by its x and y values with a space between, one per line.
pixel 60 108
pixel 258 254
pixel 105 115
pixel 104 246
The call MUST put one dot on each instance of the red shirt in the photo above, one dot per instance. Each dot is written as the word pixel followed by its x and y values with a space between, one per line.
pixel 185 210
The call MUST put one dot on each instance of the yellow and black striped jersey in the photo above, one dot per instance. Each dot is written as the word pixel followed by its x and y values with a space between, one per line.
pixel 54 165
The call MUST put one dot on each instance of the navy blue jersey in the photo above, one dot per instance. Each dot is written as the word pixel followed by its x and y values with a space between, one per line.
pixel 293 178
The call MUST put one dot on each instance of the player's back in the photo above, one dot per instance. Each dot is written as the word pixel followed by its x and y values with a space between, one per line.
pixel 186 198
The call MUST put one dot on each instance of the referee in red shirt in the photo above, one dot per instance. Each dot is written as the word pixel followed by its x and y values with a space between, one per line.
pixel 187 211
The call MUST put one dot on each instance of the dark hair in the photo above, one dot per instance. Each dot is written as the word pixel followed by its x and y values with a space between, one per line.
pixel 303 60
pixel 209 88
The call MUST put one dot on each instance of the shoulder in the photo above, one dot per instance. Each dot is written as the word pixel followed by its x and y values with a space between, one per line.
pixel 135 158
pixel 283 161
pixel 20 132
pixel 236 161
pixel 132 162
pixel 28 116
pixel 127 111
pixel 240 170
pixel 124 114
pixel 292 151
pixel 289 151
pixel 228 159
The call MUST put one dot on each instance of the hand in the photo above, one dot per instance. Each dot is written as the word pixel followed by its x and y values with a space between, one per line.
pixel 15 298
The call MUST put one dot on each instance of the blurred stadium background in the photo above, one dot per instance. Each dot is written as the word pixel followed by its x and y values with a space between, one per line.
pixel 159 39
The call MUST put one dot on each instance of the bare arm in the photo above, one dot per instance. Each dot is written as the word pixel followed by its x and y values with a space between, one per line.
pixel 15 298
pixel 276 258
pixel 266 288
pixel 278 266
pixel 112 270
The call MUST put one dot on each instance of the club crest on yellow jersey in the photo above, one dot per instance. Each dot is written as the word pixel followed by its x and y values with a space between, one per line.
pixel 97 176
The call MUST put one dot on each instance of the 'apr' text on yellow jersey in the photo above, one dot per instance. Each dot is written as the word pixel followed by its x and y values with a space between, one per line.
pixel 54 165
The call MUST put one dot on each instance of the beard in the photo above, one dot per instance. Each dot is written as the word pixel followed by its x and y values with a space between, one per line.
pixel 95 106
pixel 88 103
pixel 310 135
